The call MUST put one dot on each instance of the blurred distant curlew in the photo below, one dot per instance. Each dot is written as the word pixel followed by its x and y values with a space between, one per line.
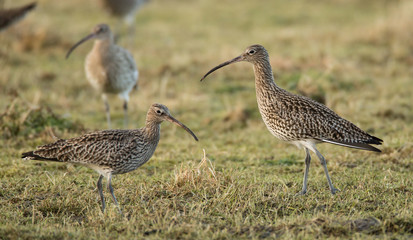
pixel 13 15
pixel 125 9
pixel 109 68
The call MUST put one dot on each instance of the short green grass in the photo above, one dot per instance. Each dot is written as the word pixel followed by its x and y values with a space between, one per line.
pixel 355 56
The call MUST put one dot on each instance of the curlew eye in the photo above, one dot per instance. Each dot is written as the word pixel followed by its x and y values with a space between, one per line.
pixel 102 29
pixel 158 111
pixel 252 51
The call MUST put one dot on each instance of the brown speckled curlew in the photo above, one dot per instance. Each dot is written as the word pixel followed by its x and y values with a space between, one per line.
pixel 109 68
pixel 298 119
pixel 110 152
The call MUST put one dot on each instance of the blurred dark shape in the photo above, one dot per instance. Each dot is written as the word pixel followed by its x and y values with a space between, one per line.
pixel 13 15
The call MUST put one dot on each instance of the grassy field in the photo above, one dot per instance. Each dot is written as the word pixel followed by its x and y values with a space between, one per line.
pixel 356 56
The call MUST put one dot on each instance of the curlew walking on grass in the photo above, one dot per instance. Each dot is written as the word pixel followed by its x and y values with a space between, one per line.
pixel 110 152
pixel 297 119
pixel 109 68
pixel 13 15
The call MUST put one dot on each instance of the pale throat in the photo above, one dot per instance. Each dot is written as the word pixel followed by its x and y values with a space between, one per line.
pixel 103 44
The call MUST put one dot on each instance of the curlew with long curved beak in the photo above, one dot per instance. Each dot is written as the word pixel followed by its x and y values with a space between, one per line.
pixel 109 68
pixel 298 119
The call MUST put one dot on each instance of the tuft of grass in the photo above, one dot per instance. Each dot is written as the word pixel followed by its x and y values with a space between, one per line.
pixel 202 174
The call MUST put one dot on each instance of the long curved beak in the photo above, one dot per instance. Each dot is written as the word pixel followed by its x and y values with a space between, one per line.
pixel 173 120
pixel 78 43
pixel 237 59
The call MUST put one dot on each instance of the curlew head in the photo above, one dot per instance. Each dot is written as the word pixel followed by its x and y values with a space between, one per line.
pixel 253 54
pixel 99 32
pixel 158 113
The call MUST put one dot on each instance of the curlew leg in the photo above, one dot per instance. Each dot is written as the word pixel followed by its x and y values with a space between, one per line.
pixel 100 190
pixel 125 112
pixel 110 188
pixel 131 34
pixel 117 34
pixel 323 162
pixel 307 168
pixel 107 109
pixel 129 27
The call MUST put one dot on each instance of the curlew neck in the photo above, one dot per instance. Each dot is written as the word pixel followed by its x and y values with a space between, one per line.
pixel 103 45
pixel 152 128
pixel 264 78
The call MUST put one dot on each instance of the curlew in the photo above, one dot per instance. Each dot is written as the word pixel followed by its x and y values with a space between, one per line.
pixel 110 152
pixel 297 119
pixel 109 68
pixel 125 9
pixel 13 15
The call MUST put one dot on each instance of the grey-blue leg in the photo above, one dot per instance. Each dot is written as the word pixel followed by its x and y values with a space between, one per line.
pixel 107 109
pixel 110 188
pixel 307 168
pixel 100 190
pixel 323 162
pixel 125 110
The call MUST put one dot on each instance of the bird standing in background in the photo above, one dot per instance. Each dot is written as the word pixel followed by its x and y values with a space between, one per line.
pixel 297 119
pixel 110 152
pixel 125 10
pixel 109 68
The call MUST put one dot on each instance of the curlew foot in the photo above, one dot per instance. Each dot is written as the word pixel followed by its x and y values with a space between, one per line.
pixel 334 191
pixel 120 211
pixel 301 193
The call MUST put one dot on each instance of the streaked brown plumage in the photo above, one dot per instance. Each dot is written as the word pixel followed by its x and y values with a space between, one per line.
pixel 298 119
pixel 13 15
pixel 109 68
pixel 110 152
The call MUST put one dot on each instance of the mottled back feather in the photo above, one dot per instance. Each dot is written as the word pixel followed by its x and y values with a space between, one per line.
pixel 114 149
